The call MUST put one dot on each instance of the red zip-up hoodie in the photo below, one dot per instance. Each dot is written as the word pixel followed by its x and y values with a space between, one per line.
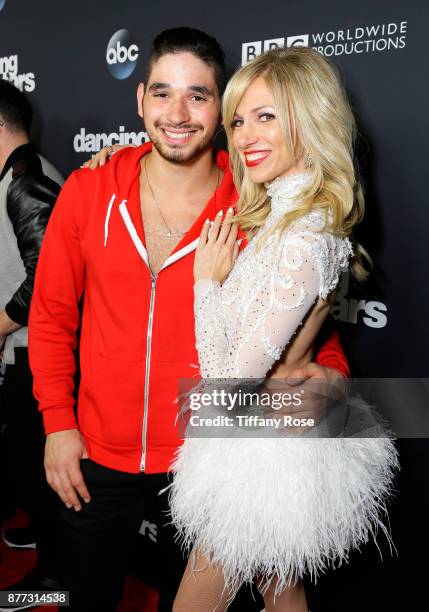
pixel 137 336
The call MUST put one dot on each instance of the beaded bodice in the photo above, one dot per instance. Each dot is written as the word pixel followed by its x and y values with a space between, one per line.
pixel 243 326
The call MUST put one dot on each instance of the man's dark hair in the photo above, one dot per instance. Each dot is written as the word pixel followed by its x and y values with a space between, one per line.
pixel 15 109
pixel 203 46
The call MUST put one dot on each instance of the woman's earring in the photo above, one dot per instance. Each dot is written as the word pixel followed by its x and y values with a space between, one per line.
pixel 308 161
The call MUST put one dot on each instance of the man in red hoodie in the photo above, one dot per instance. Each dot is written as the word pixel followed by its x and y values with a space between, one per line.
pixel 124 238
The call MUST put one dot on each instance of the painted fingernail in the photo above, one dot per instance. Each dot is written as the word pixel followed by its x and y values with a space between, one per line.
pixel 68 506
pixel 220 213
pixel 208 221
pixel 230 209
pixel 77 508
pixel 87 500
pixel 239 241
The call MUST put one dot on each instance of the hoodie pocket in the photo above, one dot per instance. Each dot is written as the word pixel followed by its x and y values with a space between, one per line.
pixel 113 398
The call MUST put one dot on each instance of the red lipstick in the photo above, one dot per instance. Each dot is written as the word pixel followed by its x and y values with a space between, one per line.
pixel 261 156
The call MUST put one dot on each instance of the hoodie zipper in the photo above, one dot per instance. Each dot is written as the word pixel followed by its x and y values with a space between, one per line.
pixel 143 254
pixel 147 370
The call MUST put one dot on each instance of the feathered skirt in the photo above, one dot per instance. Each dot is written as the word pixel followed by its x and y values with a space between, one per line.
pixel 281 506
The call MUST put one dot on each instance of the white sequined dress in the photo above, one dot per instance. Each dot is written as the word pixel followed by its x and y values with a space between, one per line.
pixel 275 506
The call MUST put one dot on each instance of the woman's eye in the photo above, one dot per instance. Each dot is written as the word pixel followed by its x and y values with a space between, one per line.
pixel 264 117
pixel 236 123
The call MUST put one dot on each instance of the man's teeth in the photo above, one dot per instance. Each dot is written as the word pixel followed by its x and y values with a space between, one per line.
pixel 177 136
pixel 255 156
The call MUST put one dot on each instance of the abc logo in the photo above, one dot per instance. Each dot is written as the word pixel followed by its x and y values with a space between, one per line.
pixel 121 54
pixel 2 3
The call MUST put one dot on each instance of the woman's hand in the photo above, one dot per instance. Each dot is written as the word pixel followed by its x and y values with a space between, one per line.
pixel 100 158
pixel 217 249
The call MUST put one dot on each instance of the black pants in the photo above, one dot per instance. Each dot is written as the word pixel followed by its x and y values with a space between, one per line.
pixel 97 541
pixel 24 440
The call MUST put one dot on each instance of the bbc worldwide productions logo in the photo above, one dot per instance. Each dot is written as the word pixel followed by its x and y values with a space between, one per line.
pixel 121 54
pixel 354 40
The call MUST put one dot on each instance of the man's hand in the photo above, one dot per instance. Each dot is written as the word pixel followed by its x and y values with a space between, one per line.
pixel 63 452
pixel 314 371
pixel 317 387
pixel 321 386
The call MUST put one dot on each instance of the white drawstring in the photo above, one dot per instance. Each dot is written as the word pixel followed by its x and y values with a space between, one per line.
pixel 106 222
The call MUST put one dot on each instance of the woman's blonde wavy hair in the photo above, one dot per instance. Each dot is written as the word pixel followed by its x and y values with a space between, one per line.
pixel 316 118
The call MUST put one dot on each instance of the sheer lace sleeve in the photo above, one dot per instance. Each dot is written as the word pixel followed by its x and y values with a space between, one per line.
pixel 242 339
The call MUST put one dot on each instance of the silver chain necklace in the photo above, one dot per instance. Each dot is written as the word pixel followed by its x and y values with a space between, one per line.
pixel 169 233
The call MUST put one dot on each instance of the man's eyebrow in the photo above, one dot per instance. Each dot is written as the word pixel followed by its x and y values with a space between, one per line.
pixel 201 89
pixel 158 85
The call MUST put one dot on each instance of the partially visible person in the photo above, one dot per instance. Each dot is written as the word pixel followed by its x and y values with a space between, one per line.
pixel 29 186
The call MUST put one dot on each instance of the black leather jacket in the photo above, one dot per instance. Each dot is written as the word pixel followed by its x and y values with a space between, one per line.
pixel 31 196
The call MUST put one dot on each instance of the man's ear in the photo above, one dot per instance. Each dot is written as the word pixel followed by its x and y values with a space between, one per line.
pixel 140 95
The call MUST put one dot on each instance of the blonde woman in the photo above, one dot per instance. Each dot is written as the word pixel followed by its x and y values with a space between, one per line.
pixel 275 509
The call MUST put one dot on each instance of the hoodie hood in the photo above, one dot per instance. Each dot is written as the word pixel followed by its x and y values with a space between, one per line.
pixel 124 167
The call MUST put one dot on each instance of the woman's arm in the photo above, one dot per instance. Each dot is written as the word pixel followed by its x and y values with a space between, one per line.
pixel 232 344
